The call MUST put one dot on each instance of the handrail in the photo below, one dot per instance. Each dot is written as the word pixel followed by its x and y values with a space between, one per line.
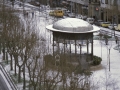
pixel 7 76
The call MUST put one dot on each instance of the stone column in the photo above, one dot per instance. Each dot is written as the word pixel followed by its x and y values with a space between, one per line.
pixel 104 18
pixel 89 8
pixel 92 11
pixel 80 8
pixel 107 14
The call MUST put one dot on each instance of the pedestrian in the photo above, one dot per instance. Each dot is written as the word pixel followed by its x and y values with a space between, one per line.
pixel 20 4
pixel 27 14
pixel 106 41
pixel 116 39
pixel 32 14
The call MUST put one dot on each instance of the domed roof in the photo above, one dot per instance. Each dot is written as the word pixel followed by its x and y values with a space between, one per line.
pixel 72 25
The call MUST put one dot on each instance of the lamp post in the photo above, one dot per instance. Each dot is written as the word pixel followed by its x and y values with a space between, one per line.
pixel 109 45
pixel 118 43
pixel 109 59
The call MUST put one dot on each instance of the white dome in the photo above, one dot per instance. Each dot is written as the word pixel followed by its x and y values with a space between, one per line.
pixel 72 25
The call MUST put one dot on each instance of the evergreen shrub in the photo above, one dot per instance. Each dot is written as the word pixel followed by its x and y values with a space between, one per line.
pixel 96 60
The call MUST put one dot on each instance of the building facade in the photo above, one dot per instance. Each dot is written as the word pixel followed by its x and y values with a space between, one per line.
pixel 106 10
pixel 110 10
pixel 79 6
pixel 94 9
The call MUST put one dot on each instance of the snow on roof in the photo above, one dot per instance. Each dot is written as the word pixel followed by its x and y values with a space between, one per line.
pixel 72 25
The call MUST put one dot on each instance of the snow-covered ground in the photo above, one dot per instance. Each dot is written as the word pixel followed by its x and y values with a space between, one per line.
pixel 101 77
pixel 104 75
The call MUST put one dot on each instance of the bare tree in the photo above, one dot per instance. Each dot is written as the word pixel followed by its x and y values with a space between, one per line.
pixel 10 24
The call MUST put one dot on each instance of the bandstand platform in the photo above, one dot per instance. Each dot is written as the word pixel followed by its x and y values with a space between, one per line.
pixel 74 41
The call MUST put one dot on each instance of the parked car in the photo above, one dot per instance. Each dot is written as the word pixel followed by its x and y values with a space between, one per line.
pixel 58 13
pixel 118 27
pixel 51 13
pixel 81 17
pixel 72 15
pixel 66 12
pixel 78 16
pixel 84 17
pixel 90 20
pixel 112 26
pixel 105 24
pixel 98 22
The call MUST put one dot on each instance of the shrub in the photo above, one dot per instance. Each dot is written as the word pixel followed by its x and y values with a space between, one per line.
pixel 49 60
pixel 96 60
pixel 106 36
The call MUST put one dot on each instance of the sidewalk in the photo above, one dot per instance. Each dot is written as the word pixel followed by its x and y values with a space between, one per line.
pixel 108 71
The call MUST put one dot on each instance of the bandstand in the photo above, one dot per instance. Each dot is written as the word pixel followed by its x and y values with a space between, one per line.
pixel 73 39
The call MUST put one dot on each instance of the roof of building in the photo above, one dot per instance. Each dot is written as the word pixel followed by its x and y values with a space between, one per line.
pixel 72 25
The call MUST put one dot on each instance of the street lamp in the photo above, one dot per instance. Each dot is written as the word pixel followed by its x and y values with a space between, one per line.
pixel 109 45
pixel 119 46
pixel 118 42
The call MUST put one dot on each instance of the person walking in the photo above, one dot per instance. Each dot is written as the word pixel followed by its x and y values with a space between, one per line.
pixel 106 41
pixel 32 14
pixel 116 39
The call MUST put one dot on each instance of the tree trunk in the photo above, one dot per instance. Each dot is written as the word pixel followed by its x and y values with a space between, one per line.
pixel 15 68
pixel 3 53
pixel 19 74
pixel 6 57
pixel 24 84
pixel 0 46
pixel 34 87
pixel 11 62
pixel 15 58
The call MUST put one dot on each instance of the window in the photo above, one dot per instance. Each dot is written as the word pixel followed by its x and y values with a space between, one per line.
pixel 102 1
pixel 115 2
pixel 89 1
pixel 94 0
